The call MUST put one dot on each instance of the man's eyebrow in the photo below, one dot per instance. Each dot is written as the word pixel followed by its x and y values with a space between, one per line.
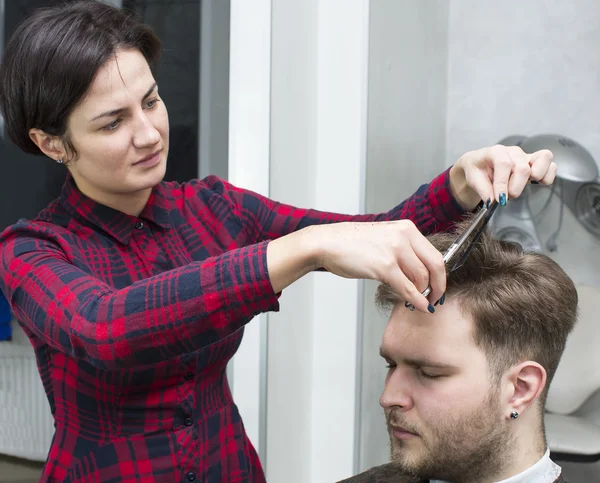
pixel 115 112
pixel 427 363
pixel 417 362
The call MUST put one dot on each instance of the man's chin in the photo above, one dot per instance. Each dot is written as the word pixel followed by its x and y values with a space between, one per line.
pixel 408 456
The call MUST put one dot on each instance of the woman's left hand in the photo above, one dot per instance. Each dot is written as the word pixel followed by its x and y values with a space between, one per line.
pixel 498 172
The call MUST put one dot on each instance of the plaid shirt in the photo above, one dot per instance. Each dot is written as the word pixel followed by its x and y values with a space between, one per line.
pixel 133 321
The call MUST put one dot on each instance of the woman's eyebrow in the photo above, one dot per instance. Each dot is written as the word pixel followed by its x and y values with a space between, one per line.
pixel 115 112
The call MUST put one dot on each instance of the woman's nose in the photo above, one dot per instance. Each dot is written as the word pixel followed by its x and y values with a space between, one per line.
pixel 146 133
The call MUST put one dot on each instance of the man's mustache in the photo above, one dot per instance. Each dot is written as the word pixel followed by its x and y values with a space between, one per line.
pixel 394 418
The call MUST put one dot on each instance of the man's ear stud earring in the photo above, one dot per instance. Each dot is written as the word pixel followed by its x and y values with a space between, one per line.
pixel 514 415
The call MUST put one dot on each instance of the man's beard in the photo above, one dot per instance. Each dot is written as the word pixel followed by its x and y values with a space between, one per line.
pixel 455 450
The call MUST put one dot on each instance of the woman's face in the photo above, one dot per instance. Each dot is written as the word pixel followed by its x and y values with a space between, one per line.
pixel 120 131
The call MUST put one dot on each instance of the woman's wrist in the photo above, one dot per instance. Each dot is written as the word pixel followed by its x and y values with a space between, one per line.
pixel 292 256
pixel 466 197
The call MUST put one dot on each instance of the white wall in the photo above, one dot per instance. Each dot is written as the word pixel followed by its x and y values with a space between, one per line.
pixel 406 143
pixel 293 170
pixel 522 68
pixel 318 134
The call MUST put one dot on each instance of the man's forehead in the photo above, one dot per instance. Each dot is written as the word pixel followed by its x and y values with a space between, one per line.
pixel 441 335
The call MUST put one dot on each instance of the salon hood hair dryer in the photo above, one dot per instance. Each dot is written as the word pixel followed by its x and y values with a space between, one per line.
pixel 578 183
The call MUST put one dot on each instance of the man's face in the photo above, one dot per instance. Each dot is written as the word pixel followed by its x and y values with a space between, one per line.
pixel 442 407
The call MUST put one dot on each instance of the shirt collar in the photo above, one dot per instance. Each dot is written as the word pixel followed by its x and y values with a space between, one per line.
pixel 544 471
pixel 114 222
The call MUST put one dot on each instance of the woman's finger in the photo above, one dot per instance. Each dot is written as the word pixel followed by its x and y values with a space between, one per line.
pixel 481 182
pixel 406 289
pixel 540 163
pixel 521 171
pixel 502 166
pixel 550 174
pixel 414 269
pixel 433 263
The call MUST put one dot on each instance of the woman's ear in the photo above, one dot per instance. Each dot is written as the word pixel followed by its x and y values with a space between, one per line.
pixel 51 146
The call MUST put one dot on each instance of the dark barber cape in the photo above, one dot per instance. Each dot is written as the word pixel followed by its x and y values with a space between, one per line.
pixel 382 474
pixel 388 474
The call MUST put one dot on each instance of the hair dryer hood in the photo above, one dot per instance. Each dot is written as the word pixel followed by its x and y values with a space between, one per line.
pixel 574 162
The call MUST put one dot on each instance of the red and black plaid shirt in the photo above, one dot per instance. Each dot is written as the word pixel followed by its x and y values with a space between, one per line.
pixel 133 321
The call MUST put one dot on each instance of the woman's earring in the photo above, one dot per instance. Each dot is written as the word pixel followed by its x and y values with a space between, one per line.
pixel 60 161
pixel 514 415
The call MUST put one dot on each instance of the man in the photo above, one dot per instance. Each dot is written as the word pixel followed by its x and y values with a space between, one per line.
pixel 466 386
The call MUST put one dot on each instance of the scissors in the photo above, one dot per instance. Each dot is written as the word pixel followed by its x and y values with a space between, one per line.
pixel 484 214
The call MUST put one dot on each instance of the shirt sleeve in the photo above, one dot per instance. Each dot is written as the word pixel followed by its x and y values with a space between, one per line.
pixel 155 319
pixel 431 208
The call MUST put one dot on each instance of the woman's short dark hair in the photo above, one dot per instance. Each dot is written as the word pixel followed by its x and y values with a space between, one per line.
pixel 52 59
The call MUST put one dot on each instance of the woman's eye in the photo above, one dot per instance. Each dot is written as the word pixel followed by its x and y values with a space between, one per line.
pixel 151 103
pixel 113 125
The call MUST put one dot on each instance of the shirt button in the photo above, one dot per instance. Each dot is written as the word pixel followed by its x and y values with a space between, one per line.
pixel 139 225
pixel 188 421
pixel 189 376
pixel 191 476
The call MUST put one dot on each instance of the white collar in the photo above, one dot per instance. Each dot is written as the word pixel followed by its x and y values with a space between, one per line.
pixel 544 471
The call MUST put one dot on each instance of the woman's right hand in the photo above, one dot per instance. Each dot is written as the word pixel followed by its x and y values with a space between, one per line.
pixel 394 252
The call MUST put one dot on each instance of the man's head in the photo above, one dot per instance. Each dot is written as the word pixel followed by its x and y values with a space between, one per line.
pixel 456 376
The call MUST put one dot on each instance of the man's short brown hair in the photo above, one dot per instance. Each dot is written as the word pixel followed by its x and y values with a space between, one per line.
pixel 523 304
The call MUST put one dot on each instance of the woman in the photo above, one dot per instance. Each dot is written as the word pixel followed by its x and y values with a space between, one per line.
pixel 134 291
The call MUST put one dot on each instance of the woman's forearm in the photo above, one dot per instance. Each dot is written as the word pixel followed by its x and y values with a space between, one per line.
pixel 292 256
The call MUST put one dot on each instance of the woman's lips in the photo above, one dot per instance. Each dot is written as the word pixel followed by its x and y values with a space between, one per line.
pixel 149 161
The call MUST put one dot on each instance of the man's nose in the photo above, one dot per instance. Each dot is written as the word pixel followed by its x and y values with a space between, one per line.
pixel 397 390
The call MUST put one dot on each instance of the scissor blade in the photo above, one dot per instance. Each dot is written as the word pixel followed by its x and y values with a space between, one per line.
pixel 483 212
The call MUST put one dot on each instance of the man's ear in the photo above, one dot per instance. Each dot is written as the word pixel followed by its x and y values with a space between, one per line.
pixel 51 146
pixel 526 382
